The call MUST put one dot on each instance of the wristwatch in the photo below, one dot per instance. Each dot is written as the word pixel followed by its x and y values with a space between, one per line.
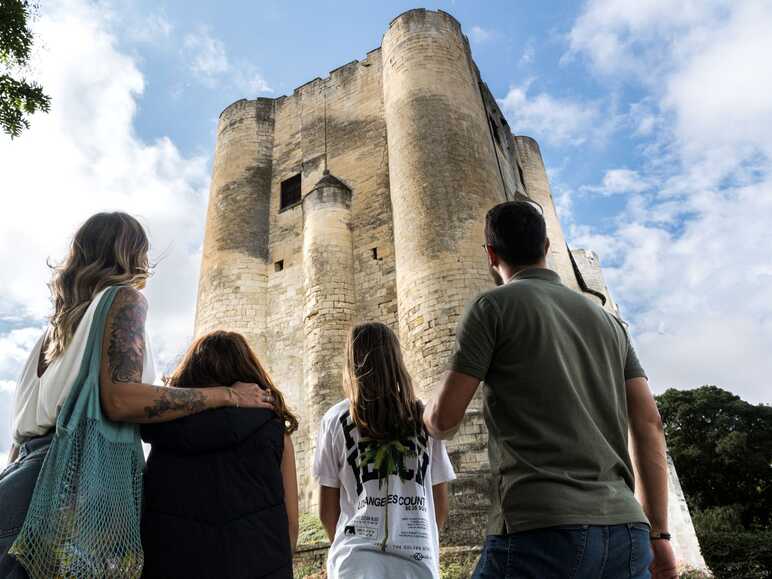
pixel 659 536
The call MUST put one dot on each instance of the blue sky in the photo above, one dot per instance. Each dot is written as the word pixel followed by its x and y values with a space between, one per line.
pixel 654 119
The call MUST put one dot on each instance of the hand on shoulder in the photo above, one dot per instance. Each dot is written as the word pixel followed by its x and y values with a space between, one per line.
pixel 249 395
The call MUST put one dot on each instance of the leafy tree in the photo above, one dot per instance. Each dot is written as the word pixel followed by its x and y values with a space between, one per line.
pixel 722 448
pixel 19 97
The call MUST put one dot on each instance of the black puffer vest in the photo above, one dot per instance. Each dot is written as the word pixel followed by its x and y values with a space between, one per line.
pixel 214 498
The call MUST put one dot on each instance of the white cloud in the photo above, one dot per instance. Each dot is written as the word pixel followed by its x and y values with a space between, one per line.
pixel 690 252
pixel 207 55
pixel 480 35
pixel 249 80
pixel 208 61
pixel 528 54
pixel 617 181
pixel 85 157
pixel 150 28
pixel 557 121
pixel 14 349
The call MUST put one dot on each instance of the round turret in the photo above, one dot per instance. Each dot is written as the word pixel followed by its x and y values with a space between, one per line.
pixel 328 269
pixel 443 178
pixel 232 285
pixel 537 188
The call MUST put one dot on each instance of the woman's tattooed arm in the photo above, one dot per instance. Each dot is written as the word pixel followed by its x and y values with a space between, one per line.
pixel 173 399
pixel 126 325
pixel 124 397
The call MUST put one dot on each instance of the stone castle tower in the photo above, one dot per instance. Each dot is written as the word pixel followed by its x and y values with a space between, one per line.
pixel 362 196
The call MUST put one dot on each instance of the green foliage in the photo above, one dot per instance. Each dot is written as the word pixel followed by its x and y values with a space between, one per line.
pixel 311 530
pixel 19 97
pixel 458 568
pixel 737 554
pixel 693 574
pixel 717 519
pixel 722 449
pixel 308 571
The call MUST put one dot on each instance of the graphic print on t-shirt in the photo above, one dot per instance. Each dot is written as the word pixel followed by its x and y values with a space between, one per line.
pixel 374 460
pixel 386 493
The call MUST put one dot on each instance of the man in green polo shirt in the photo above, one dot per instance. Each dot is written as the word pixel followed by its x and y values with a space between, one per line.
pixel 562 388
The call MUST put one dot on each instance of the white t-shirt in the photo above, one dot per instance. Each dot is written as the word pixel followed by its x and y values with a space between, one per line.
pixel 38 399
pixel 412 548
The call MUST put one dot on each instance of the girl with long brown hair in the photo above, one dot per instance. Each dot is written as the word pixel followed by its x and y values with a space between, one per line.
pixel 221 496
pixel 109 253
pixel 383 479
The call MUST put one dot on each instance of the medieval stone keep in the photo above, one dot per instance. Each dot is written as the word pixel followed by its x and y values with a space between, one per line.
pixel 362 196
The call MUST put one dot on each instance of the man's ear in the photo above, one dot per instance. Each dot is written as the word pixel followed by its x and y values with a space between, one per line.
pixel 546 247
pixel 493 259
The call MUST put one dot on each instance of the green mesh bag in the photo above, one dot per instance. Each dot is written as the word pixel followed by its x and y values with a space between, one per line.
pixel 83 519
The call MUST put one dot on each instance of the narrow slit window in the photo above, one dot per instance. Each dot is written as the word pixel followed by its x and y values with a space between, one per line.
pixel 279 265
pixel 522 177
pixel 495 131
pixel 375 252
pixel 290 192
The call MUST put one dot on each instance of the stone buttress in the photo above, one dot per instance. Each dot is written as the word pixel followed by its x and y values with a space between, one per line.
pixel 232 285
pixel 328 266
pixel 443 179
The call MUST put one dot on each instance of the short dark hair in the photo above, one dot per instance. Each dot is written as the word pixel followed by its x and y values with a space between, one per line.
pixel 516 231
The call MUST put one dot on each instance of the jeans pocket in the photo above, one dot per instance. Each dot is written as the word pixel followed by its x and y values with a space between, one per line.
pixel 641 555
pixel 494 558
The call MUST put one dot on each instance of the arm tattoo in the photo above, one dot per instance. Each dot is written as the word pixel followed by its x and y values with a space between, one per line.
pixel 172 399
pixel 126 352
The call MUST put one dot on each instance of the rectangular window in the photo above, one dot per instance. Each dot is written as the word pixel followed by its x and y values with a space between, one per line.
pixel 290 192
pixel 279 265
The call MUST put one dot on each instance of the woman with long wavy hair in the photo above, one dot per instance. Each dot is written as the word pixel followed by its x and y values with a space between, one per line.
pixel 221 496
pixel 110 250
pixel 383 479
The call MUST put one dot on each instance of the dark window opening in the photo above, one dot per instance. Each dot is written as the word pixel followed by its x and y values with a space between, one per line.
pixel 375 252
pixel 522 177
pixel 290 192
pixel 495 131
pixel 279 265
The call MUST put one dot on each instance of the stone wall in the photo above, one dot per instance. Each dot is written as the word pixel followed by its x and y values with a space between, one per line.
pixel 328 267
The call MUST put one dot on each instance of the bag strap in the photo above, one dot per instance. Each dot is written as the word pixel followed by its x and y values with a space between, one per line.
pixel 90 365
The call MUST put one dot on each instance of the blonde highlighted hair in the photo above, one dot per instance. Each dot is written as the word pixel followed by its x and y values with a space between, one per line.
pixel 109 249
pixel 382 400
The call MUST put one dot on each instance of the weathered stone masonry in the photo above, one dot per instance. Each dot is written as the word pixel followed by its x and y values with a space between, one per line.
pixel 417 151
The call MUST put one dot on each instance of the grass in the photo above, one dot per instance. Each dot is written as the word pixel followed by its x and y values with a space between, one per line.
pixel 311 530
pixel 458 569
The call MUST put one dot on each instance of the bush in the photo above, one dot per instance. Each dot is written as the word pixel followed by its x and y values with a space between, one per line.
pixel 738 554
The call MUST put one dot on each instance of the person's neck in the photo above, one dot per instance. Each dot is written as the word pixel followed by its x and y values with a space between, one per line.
pixel 507 272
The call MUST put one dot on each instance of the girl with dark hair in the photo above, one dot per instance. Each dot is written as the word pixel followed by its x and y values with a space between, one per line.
pixel 221 496
pixel 93 360
pixel 383 479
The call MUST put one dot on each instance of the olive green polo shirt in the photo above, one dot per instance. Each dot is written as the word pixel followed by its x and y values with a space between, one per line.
pixel 554 366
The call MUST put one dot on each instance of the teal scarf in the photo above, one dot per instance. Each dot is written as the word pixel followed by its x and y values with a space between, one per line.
pixel 83 520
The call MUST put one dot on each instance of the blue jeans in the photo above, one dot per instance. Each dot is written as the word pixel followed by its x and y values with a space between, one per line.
pixel 17 482
pixel 568 552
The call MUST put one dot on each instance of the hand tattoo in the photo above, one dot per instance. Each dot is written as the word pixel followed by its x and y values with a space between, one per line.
pixel 171 399
pixel 126 352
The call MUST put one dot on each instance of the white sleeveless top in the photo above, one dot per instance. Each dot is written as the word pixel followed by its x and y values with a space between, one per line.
pixel 38 399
